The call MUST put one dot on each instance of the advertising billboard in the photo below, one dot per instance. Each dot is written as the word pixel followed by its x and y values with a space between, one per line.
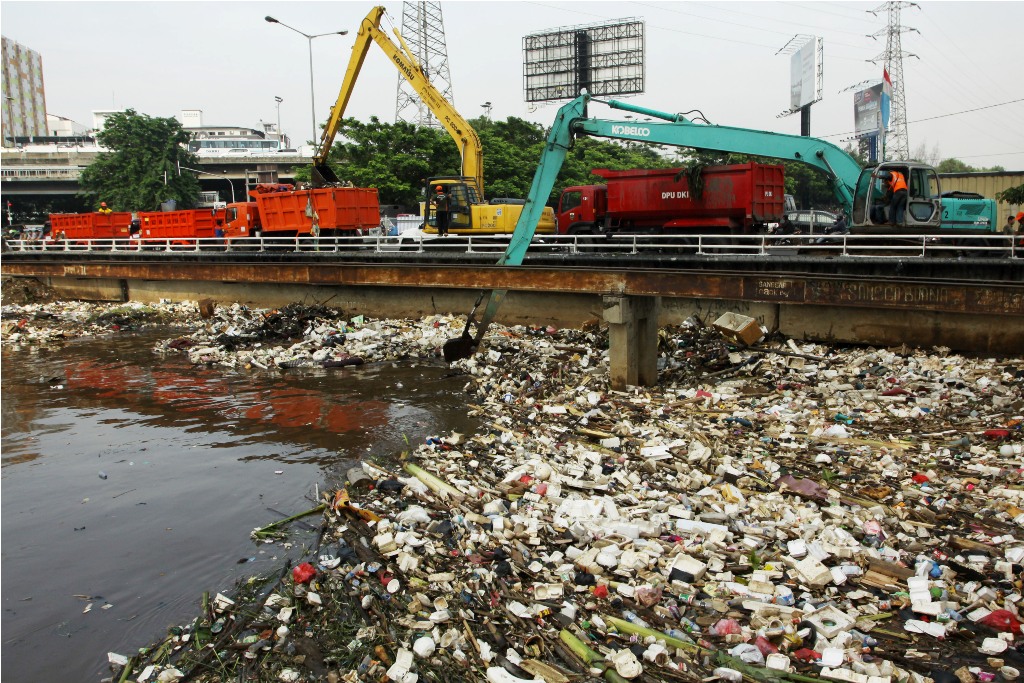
pixel 606 59
pixel 803 69
pixel 867 111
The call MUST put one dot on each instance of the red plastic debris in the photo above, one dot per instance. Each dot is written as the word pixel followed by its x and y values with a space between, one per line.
pixel 997 433
pixel 726 627
pixel 806 655
pixel 920 478
pixel 896 392
pixel 601 591
pixel 303 573
pixel 766 646
pixel 1001 620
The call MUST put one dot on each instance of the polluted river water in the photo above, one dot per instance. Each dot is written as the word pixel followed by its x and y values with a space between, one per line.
pixel 131 482
pixel 852 513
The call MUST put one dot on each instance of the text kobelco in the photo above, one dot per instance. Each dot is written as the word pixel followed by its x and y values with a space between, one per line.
pixel 637 131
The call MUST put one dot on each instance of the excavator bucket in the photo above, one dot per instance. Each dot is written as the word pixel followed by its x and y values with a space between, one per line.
pixel 323 176
pixel 465 345
pixel 459 348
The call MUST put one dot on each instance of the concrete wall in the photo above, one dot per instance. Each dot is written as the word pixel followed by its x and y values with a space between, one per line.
pixel 966 332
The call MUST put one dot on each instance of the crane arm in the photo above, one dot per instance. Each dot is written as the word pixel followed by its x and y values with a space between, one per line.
pixel 458 128
pixel 556 148
pixel 676 130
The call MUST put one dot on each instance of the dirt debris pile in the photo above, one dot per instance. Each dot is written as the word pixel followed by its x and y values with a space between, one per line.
pixel 21 291
pixel 300 335
pixel 784 513
pixel 45 323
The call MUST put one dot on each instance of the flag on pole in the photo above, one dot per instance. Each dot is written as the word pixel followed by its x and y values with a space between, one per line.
pixel 886 97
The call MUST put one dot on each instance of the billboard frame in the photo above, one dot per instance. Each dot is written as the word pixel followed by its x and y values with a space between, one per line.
pixel 606 58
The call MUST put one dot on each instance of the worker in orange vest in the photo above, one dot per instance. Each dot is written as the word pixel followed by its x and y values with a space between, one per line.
pixel 898 202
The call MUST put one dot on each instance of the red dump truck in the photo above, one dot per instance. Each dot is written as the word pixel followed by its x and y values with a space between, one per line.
pixel 282 211
pixel 733 199
pixel 182 227
pixel 90 226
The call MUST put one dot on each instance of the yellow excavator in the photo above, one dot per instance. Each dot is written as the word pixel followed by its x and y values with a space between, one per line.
pixel 470 213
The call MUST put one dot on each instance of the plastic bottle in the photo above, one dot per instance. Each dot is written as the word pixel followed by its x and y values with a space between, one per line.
pixel 632 618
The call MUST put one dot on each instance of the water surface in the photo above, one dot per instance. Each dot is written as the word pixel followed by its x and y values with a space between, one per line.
pixel 131 482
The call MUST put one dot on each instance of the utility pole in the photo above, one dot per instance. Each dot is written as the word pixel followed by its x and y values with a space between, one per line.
pixel 896 142
pixel 423 32
pixel 280 138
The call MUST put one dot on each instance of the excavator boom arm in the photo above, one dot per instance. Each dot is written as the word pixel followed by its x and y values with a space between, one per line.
pixel 842 169
pixel 676 130
pixel 458 128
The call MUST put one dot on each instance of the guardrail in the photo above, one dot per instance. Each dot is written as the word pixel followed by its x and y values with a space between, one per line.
pixel 31 173
pixel 843 246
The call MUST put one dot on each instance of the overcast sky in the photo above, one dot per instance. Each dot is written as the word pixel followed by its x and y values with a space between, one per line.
pixel 719 57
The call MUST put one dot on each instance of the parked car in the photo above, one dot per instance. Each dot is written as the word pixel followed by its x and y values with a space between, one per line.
pixel 812 222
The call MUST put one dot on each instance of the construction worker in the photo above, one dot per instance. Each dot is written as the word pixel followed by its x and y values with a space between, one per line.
pixel 898 203
pixel 1011 225
pixel 104 209
pixel 442 207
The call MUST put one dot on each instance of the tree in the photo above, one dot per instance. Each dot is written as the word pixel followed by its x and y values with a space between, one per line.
pixel 953 166
pixel 141 168
pixel 397 158
pixel 394 158
pixel 1012 195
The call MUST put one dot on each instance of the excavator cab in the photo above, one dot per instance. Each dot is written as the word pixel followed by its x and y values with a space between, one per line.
pixel 462 194
pixel 872 200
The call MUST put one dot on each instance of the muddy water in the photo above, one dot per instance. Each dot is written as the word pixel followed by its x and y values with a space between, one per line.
pixel 130 483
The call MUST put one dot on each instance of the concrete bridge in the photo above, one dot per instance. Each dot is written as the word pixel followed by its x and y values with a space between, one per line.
pixel 969 305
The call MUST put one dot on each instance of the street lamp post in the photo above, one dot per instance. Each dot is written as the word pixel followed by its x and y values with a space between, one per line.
pixel 215 175
pixel 309 38
pixel 280 138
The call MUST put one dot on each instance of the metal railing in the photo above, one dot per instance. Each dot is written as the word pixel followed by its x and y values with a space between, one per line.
pixel 767 246
pixel 40 173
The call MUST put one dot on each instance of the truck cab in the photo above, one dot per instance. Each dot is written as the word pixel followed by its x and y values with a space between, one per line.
pixel 579 208
pixel 242 219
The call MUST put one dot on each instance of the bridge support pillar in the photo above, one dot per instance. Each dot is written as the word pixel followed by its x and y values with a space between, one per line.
pixel 632 339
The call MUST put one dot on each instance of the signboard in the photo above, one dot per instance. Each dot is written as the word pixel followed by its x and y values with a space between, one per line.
pixel 867 111
pixel 606 59
pixel 804 70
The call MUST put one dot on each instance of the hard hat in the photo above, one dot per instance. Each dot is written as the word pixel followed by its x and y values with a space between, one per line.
pixel 1020 216
pixel 438 188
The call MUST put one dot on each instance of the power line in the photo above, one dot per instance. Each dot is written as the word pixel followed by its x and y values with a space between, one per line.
pixel 817 8
pixel 940 116
pixel 968 111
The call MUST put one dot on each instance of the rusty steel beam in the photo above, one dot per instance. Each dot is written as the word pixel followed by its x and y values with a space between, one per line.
pixel 833 290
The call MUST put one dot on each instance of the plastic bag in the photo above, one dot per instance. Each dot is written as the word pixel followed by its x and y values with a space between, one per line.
pixel 303 573
pixel 1001 620
pixel 726 627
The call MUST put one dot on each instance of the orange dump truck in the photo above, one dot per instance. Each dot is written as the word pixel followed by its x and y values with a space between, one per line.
pixel 91 226
pixel 282 211
pixel 180 226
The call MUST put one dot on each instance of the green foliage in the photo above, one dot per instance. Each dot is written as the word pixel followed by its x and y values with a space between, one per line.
pixel 396 158
pixel 141 168
pixel 590 153
pixel 953 166
pixel 1013 195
